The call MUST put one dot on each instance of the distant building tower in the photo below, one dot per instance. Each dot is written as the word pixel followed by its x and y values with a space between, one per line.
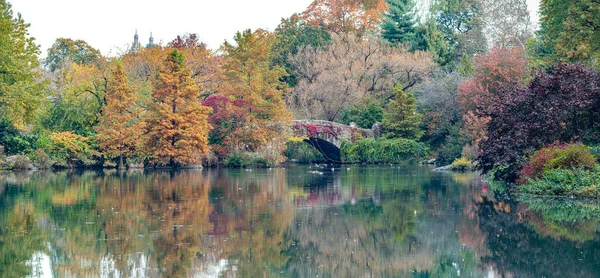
pixel 151 41
pixel 136 43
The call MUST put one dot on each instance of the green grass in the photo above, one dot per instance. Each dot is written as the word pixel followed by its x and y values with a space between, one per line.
pixel 577 182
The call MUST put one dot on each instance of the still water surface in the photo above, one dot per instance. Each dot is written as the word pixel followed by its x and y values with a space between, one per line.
pixel 301 221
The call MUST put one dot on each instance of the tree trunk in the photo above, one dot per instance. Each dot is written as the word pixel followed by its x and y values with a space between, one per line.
pixel 121 165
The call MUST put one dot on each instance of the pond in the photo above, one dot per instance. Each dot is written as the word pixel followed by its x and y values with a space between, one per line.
pixel 299 221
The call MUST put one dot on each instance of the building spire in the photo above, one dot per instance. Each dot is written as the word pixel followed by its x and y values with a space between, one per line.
pixel 151 41
pixel 136 42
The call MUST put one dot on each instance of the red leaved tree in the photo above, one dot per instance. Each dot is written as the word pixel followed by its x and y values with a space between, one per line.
pixel 492 71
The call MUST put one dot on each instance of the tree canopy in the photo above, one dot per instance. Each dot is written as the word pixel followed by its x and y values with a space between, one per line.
pixel 21 92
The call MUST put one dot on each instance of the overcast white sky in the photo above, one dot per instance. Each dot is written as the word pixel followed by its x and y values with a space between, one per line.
pixel 109 25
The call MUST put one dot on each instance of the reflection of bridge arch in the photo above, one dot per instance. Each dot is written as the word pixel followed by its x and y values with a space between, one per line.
pixel 327 137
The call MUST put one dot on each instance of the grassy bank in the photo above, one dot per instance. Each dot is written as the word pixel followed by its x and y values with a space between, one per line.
pixel 577 182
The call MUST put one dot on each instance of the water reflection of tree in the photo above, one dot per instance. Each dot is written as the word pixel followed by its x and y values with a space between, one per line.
pixel 367 235
pixel 102 221
pixel 20 237
pixel 518 250
pixel 251 213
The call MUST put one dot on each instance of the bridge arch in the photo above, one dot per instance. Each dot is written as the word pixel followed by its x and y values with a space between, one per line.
pixel 330 151
pixel 327 137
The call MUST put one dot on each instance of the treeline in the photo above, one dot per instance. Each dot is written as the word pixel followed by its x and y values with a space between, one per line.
pixel 434 76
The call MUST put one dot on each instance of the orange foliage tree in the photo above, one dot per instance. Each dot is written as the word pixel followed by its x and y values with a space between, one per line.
pixel 254 84
pixel 177 126
pixel 119 128
pixel 142 66
pixel 344 16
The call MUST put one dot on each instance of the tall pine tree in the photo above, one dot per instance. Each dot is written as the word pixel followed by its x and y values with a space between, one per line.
pixel 177 124
pixel 119 129
pixel 398 24
pixel 400 118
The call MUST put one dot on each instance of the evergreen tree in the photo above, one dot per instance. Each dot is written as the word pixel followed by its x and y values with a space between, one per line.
pixel 177 125
pixel 569 33
pixel 400 118
pixel 20 92
pixel 119 129
pixel 398 24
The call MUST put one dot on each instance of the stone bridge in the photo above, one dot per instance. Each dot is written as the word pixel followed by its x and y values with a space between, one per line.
pixel 327 137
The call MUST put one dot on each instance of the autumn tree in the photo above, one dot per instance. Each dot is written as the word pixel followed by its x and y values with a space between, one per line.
pixel 20 91
pixel 186 41
pixel 250 78
pixel 228 119
pixel 492 71
pixel 561 103
pixel 400 117
pixel 177 127
pixel 345 16
pixel 65 50
pixel 500 67
pixel 119 128
pixel 332 78
pixel 142 66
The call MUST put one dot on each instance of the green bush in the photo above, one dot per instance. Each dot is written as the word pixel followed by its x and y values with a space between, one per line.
pixel 237 160
pixel 302 152
pixel 452 148
pixel 579 182
pixel 13 141
pixel 382 151
pixel 364 113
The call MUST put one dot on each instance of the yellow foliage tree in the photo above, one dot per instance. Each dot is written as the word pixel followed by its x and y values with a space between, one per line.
pixel 119 128
pixel 255 85
pixel 177 127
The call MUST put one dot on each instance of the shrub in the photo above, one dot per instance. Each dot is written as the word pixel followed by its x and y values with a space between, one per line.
pixel 71 150
pixel 579 181
pixel 469 152
pixel 451 149
pixel 237 160
pixel 462 164
pixel 382 151
pixel 21 162
pixel 41 160
pixel 558 156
